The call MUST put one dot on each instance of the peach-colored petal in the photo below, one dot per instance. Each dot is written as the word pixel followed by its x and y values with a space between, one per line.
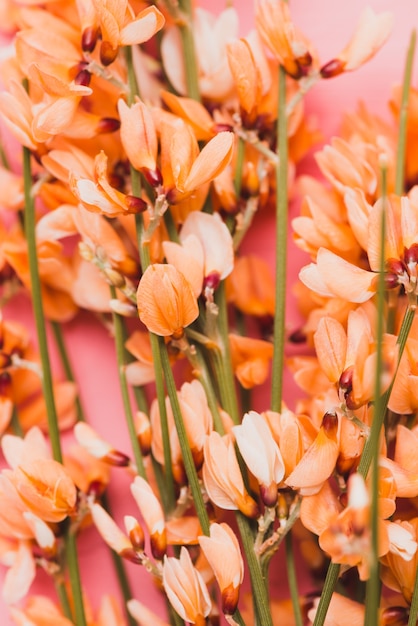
pixel 214 157
pixel 20 576
pixel 331 345
pixel 143 27
pixel 371 33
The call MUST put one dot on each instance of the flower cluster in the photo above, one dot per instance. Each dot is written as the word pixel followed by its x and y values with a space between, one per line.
pixel 150 139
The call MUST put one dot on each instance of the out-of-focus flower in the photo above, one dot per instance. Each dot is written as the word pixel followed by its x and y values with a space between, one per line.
pixel 186 589
pixel 98 447
pixel 250 286
pixel 143 615
pixel 139 137
pixel 371 33
pixel 222 551
pixel 250 359
pixel 210 36
pixel 166 303
pixel 275 26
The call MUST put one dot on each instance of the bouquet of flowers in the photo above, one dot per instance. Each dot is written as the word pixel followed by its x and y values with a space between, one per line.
pixel 141 141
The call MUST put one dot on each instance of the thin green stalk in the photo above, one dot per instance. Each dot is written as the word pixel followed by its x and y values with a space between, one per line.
pixel 239 166
pixel 63 598
pixel 292 579
pixel 38 310
pixel 413 610
pixel 189 53
pixel 132 82
pixel 15 423
pixel 258 582
pixel 204 376
pixel 373 584
pixel 223 362
pixel 281 249
pixel 74 574
pixel 403 118
pixel 329 586
pixel 184 444
pixel 165 434
pixel 120 358
pixel 65 361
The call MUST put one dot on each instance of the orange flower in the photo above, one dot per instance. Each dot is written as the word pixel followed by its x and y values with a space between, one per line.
pixel 250 359
pixel 222 476
pixel 186 589
pixel 222 551
pixel 166 303
pixel 210 34
pixel 119 28
pixel 397 572
pixel 318 462
pixel 261 455
pixel 153 515
pixel 371 33
pixel 250 286
pixel 278 32
pixel 139 137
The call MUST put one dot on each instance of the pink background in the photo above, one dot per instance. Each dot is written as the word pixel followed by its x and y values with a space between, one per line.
pixel 329 25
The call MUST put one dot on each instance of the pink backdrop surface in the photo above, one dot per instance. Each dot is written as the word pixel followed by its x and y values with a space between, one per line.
pixel 329 25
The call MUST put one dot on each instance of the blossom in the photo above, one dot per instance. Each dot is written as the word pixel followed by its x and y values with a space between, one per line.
pixel 222 551
pixel 166 303
pixel 152 513
pixel 222 476
pixel 261 454
pixel 120 28
pixel 186 589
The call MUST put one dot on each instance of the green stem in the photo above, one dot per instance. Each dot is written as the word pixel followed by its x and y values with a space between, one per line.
pixel 38 311
pixel 132 82
pixel 258 582
pixel 74 573
pixel 413 610
pixel 184 444
pixel 373 583
pixel 238 618
pixel 63 598
pixel 328 590
pixel 165 434
pixel 222 360
pixel 292 580
pixel 403 118
pixel 281 249
pixel 120 358
pixel 15 423
pixel 189 53
pixel 66 364
pixel 239 166
pixel 204 376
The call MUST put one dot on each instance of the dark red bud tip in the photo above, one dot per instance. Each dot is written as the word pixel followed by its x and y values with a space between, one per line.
pixel 119 459
pixel 411 254
pixel 135 204
pixel 96 488
pixel 332 68
pixel 131 555
pixel 395 616
pixel 107 53
pixel 107 125
pixel 305 60
pixel 211 281
pixel 89 39
pixel 230 597
pixel 83 78
pixel 391 281
pixel 219 128
pixel 5 384
pixel 330 424
pixel 346 379
pixel 395 266
pixel 154 177
pixel 298 336
pixel 268 494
